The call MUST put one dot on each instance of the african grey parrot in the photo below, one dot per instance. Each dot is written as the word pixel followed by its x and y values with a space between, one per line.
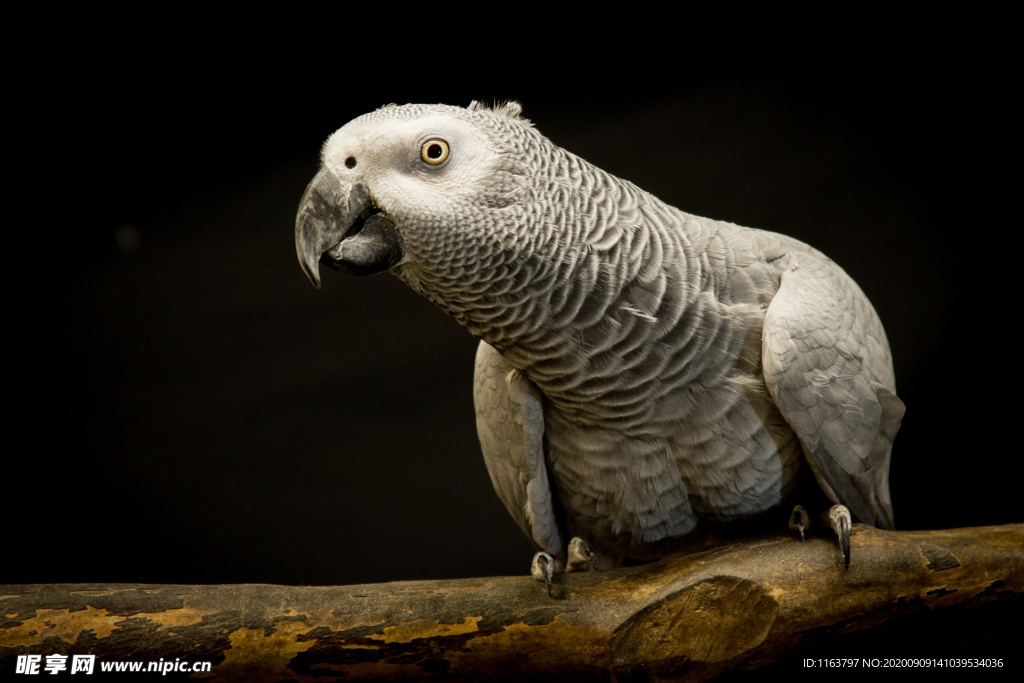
pixel 644 376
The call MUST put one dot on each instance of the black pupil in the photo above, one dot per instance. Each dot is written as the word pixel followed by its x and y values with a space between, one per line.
pixel 434 151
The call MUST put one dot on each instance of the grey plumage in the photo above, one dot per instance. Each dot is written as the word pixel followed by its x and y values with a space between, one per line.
pixel 641 371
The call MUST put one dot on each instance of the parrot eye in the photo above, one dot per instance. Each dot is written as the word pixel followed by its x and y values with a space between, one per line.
pixel 434 151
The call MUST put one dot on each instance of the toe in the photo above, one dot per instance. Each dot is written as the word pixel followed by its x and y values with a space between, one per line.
pixel 543 567
pixel 580 557
pixel 800 521
pixel 841 522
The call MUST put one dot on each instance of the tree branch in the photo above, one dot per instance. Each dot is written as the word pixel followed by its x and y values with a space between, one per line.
pixel 741 606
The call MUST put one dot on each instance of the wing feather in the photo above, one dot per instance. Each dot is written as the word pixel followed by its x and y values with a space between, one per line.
pixel 828 368
pixel 510 424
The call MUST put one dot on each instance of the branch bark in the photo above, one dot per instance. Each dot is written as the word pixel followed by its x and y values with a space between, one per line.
pixel 736 607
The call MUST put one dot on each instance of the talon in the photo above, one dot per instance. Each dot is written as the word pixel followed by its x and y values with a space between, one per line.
pixel 580 555
pixel 543 569
pixel 841 523
pixel 800 521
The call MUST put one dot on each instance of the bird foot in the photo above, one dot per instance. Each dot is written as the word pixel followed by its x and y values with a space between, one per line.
pixel 581 557
pixel 841 523
pixel 543 568
pixel 800 521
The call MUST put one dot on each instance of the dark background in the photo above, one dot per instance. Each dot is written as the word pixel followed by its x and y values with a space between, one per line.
pixel 186 408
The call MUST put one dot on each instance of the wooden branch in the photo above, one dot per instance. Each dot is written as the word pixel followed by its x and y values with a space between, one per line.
pixel 740 606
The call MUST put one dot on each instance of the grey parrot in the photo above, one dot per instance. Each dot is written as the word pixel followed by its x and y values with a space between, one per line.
pixel 646 379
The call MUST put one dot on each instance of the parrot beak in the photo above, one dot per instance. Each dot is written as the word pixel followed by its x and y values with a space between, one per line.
pixel 338 225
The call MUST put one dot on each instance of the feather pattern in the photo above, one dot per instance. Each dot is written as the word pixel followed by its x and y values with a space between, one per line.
pixel 685 369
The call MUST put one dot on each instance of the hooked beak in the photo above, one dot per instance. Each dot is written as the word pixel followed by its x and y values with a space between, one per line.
pixel 338 225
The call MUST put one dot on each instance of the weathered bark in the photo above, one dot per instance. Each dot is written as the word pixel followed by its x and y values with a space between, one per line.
pixel 736 607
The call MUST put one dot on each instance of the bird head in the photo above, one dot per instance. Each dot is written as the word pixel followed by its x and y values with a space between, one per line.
pixel 431 192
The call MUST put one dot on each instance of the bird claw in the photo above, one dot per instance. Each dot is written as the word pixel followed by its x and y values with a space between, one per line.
pixel 580 556
pixel 800 521
pixel 841 523
pixel 543 569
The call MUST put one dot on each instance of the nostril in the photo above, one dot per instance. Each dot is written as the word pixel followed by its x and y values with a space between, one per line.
pixel 350 162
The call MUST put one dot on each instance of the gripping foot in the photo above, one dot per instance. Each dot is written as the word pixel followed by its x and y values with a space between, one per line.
pixel 840 521
pixel 543 569
pixel 800 521
pixel 580 556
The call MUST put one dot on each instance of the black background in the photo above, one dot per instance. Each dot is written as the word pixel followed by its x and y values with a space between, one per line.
pixel 186 408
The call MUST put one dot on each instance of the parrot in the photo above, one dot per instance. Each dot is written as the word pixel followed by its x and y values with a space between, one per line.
pixel 647 380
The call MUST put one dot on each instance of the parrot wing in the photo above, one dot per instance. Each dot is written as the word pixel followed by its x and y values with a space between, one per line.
pixel 827 367
pixel 510 423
